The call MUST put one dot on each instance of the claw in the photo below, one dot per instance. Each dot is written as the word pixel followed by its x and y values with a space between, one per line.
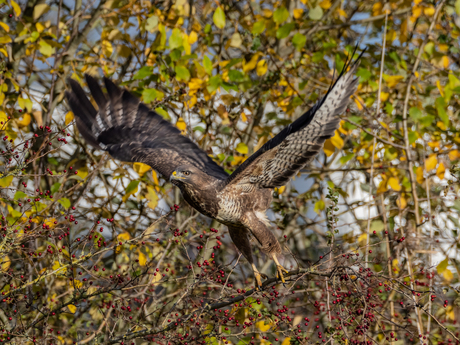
pixel 279 269
pixel 257 276
pixel 279 272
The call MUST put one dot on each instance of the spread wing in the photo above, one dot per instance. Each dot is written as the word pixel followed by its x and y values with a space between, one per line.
pixel 130 131
pixel 297 144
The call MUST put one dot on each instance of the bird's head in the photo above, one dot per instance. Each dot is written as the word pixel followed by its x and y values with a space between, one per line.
pixel 185 175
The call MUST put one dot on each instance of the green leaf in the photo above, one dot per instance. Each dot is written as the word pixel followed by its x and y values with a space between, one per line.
pixel 299 41
pixel 19 195
pixel 219 18
pixel 364 74
pixel 55 187
pixel 213 83
pixel 442 266
pixel 258 27
pixel 441 109
pixel 175 40
pixel 242 148
pixel 285 30
pixel 457 7
pixel 132 187
pixel 207 64
pixel 412 137
pixel 6 181
pixel 182 73
pixel 235 75
pixel 64 202
pixel 144 72
pixel 281 15
pixel 150 95
pixel 346 158
pixel 316 13
pixel 320 205
pixel 415 113
pixel 163 113
pixel 151 23
pixel 46 49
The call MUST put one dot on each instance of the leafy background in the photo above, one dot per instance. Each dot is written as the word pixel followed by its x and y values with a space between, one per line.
pixel 93 250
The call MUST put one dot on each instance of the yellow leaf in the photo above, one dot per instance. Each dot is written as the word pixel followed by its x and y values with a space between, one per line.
pixel 384 96
pixel 431 162
pixel 124 236
pixel 195 84
pixel 394 264
pixel 440 171
pixel 262 67
pixel 262 326
pixel 448 274
pixel 402 202
pixel 192 37
pixel 83 172
pixel 298 13
pixel 244 117
pixel 393 80
pixel 429 11
pixel 286 341
pixel 69 118
pixel 419 173
pixel 251 64
pixel 185 44
pixel 454 155
pixel 362 239
pixel 445 62
pixel 242 148
pixel 416 12
pixel 236 40
pixel 78 284
pixel 440 88
pixel 337 140
pixel 5 26
pixel 5 181
pixel 152 197
pixel 342 12
pixel 5 39
pixel 359 102
pixel 155 179
pixel 6 263
pixel 72 308
pixel 325 4
pixel 391 35
pixel 328 148
pixel 141 168
pixel 281 189
pixel 16 8
pixel 50 222
pixel 25 121
pixel 181 125
pixel 56 267
pixel 393 182
pixel 450 312
pixel 142 259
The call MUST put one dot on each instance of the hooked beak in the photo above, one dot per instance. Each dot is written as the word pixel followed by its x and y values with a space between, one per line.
pixel 175 176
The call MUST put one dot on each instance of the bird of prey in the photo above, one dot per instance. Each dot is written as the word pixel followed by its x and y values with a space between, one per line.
pixel 130 131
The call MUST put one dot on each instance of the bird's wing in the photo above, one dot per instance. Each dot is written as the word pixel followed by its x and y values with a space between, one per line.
pixel 296 145
pixel 130 131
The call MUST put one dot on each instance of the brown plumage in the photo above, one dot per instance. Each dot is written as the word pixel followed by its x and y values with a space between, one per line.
pixel 130 131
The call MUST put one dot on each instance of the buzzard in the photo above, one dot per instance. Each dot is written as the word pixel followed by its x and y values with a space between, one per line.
pixel 130 131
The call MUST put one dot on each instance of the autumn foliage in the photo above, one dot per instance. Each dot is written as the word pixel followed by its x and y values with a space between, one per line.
pixel 97 251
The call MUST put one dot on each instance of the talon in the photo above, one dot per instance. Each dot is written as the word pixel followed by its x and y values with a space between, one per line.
pixel 257 277
pixel 279 272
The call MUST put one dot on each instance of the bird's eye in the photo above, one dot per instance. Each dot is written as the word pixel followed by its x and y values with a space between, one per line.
pixel 186 173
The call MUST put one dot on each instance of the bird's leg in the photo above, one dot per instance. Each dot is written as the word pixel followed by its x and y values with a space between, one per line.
pixel 257 276
pixel 279 269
